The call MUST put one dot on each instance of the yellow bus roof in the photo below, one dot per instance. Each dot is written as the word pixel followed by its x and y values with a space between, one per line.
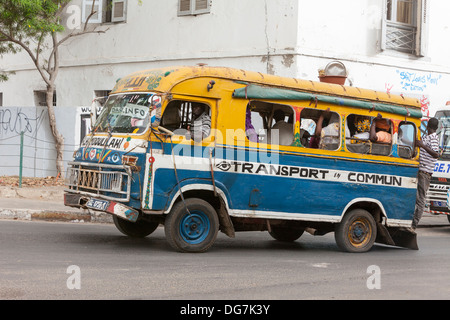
pixel 163 79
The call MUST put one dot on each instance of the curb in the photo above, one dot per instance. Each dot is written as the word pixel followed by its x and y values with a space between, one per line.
pixel 47 204
pixel 48 215
pixel 44 204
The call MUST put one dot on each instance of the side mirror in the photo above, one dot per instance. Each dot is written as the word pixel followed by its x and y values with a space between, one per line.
pixel 155 110
pixel 96 105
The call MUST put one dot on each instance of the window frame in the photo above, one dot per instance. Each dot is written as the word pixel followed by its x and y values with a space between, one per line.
pixel 373 148
pixel 268 121
pixel 86 9
pixel 418 29
pixel 186 117
pixel 40 97
pixel 316 113
pixel 105 11
pixel 413 148
pixel 193 11
pixel 123 17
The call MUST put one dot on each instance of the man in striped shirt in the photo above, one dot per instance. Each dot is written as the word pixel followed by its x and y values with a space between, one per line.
pixel 200 124
pixel 429 152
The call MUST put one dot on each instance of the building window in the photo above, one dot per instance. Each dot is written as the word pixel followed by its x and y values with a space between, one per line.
pixel 101 96
pixel 193 7
pixel 118 10
pixel 405 26
pixel 40 98
pixel 92 9
pixel 104 11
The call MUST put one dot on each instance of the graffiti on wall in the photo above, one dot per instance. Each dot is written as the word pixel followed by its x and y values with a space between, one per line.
pixel 425 106
pixel 16 121
pixel 417 82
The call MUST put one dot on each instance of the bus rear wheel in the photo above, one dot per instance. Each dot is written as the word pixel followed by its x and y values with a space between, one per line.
pixel 356 232
pixel 138 229
pixel 191 226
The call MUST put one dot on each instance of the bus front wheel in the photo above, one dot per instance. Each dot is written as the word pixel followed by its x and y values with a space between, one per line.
pixel 356 232
pixel 191 226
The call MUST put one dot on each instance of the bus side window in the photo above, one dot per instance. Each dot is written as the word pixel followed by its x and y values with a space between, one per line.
pixel 405 140
pixel 322 127
pixel 269 123
pixel 177 116
pixel 359 127
pixel 360 142
pixel 381 136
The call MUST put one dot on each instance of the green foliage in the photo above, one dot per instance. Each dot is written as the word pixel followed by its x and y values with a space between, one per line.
pixel 28 20
pixel 3 77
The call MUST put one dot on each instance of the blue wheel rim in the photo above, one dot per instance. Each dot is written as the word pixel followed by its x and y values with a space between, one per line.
pixel 194 227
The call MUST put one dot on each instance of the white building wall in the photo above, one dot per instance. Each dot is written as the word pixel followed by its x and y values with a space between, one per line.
pixel 292 38
pixel 243 34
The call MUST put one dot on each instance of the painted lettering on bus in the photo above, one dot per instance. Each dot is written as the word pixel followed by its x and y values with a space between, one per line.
pixel 310 173
pixel 109 143
pixel 374 179
pixel 134 82
pixel 442 167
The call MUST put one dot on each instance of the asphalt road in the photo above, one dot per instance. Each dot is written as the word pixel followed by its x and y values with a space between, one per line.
pixel 56 261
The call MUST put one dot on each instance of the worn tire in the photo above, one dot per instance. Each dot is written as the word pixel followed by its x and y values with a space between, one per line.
pixel 285 234
pixel 193 231
pixel 138 229
pixel 356 232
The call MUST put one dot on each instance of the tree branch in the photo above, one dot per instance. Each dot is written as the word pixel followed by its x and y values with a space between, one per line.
pixel 30 53
pixel 55 57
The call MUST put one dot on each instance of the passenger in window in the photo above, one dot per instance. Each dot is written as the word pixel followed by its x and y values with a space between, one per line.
pixel 362 126
pixel 249 128
pixel 284 129
pixel 379 130
pixel 326 137
pixel 200 125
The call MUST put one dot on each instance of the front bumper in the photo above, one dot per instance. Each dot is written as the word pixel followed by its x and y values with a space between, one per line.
pixel 109 206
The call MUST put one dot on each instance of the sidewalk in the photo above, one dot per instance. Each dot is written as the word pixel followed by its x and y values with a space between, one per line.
pixel 43 203
pixel 47 203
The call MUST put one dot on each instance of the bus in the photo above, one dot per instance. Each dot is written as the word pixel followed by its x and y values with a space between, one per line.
pixel 274 154
pixel 438 193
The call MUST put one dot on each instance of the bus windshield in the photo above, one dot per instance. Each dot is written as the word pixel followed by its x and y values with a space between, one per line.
pixel 444 132
pixel 127 113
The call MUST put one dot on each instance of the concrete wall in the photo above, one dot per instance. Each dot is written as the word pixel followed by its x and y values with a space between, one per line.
pixel 39 155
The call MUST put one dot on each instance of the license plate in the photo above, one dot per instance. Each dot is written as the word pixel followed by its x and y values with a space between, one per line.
pixel 439 203
pixel 96 204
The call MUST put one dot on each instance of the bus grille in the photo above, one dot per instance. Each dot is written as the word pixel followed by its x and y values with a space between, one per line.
pixel 109 181
pixel 437 196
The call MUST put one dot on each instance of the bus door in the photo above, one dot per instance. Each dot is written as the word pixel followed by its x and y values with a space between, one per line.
pixel 185 151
